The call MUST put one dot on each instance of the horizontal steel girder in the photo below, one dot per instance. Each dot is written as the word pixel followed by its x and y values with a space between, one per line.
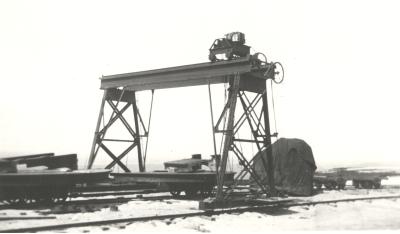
pixel 182 76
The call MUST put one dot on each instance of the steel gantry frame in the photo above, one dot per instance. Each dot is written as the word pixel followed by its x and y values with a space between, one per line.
pixel 114 97
pixel 243 75
pixel 237 92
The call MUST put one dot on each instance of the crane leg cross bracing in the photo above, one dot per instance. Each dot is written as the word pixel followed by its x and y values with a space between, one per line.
pixel 243 76
pixel 115 98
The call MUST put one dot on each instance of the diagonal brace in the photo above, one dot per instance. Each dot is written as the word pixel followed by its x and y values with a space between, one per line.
pixel 114 118
pixel 249 108
pixel 252 112
pixel 121 155
pixel 117 160
pixel 122 118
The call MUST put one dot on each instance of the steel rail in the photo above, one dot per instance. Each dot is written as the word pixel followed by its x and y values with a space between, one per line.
pixel 95 201
pixel 111 193
pixel 88 202
pixel 311 203
pixel 8 218
pixel 271 205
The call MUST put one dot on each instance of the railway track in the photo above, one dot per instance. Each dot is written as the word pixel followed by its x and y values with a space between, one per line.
pixel 114 193
pixel 263 208
pixel 86 202
pixel 95 201
pixel 94 198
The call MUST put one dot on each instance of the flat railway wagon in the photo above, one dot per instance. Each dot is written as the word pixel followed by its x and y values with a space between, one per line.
pixel 191 183
pixel 337 179
pixel 184 175
pixel 44 185
pixel 329 181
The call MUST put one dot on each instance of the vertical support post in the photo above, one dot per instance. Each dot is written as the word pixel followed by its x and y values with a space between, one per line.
pixel 137 137
pixel 233 93
pixel 92 155
pixel 212 119
pixel 267 145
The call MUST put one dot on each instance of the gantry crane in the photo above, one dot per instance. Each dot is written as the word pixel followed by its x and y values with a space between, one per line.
pixel 243 72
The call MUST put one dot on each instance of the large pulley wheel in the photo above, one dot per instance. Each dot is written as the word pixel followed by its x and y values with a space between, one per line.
pixel 279 73
pixel 259 59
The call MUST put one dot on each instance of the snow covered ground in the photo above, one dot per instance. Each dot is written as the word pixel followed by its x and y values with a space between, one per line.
pixel 358 215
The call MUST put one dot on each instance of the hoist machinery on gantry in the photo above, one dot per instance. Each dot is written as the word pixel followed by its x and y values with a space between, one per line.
pixel 230 63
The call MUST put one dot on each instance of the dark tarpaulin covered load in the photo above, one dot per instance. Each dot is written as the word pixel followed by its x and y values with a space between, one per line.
pixel 294 166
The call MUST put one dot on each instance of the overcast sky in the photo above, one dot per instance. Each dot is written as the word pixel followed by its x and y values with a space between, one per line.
pixel 340 93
